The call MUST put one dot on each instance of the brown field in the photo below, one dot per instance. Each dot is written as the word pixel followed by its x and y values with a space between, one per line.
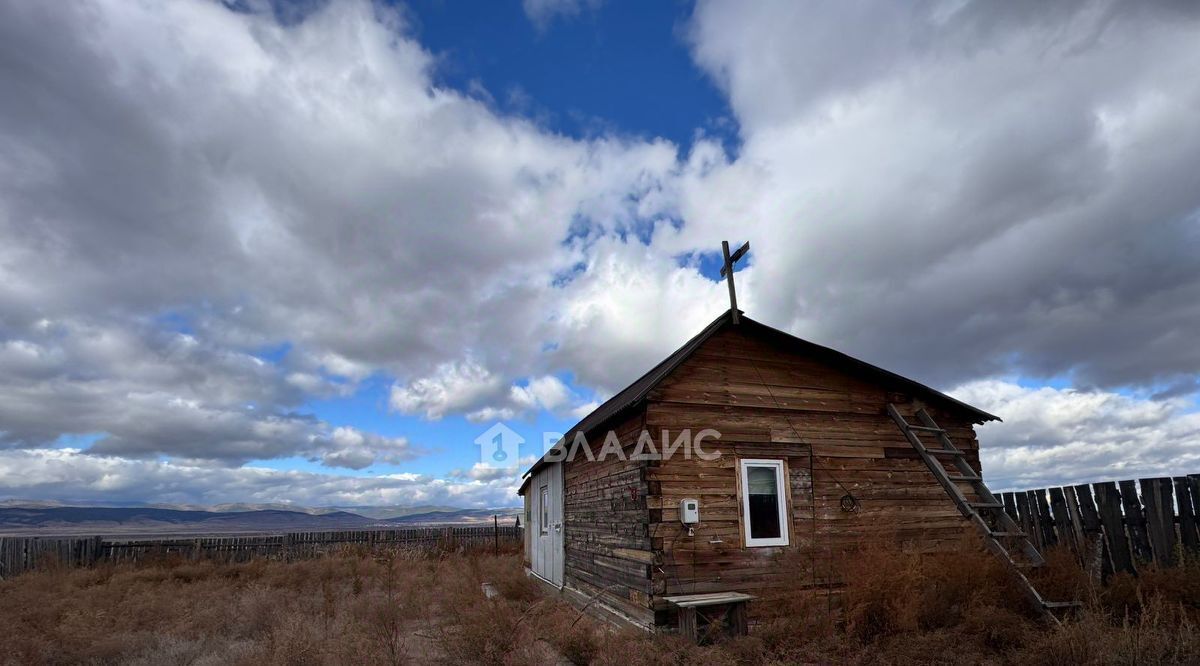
pixel 403 607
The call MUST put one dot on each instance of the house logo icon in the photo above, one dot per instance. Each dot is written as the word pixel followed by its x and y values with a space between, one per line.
pixel 499 446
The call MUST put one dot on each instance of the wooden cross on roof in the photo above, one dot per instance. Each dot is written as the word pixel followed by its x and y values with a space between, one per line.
pixel 727 273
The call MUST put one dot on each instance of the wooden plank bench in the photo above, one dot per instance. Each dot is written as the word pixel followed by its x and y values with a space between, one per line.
pixel 726 610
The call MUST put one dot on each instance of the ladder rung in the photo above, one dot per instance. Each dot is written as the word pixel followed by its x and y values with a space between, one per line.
pixel 986 505
pixel 1025 565
pixel 970 479
pixel 1006 534
pixel 944 452
pixel 925 428
pixel 1061 604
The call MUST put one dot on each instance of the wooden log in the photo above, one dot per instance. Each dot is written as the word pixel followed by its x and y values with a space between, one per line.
pixel 1160 519
pixel 1188 533
pixel 1108 500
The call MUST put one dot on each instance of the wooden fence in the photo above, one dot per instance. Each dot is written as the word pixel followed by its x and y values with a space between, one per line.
pixel 20 554
pixel 1111 523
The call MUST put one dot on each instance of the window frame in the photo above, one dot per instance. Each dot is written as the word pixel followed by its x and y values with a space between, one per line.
pixel 544 510
pixel 780 468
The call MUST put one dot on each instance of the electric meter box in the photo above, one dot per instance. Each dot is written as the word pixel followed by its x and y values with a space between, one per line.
pixel 689 511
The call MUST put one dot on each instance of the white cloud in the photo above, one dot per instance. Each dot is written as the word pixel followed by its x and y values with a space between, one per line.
pixel 1053 436
pixel 544 12
pixel 959 189
pixel 471 389
pixel 952 190
pixel 353 449
pixel 68 475
pixel 454 387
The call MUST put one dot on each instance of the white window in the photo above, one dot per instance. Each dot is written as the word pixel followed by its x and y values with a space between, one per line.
pixel 545 520
pixel 764 503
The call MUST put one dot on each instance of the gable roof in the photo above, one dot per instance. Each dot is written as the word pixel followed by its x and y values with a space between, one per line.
pixel 633 395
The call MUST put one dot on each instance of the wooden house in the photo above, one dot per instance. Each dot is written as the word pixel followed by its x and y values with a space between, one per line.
pixel 818 451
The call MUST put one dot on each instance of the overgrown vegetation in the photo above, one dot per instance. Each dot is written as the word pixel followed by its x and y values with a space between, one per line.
pixel 401 607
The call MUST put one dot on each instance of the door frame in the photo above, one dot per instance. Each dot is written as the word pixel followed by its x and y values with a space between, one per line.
pixel 547 558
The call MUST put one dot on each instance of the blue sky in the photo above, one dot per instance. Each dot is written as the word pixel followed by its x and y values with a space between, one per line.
pixel 306 252
pixel 623 68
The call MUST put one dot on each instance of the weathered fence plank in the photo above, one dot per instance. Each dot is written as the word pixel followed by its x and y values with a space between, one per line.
pixel 1075 516
pixel 1062 520
pixel 1151 523
pixel 1160 519
pixel 20 554
pixel 1187 515
pixel 1087 508
pixel 1010 505
pixel 1028 526
pixel 1108 499
pixel 1045 522
pixel 1135 521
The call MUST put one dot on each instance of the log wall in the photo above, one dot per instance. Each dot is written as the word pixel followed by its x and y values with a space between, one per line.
pixel 606 545
pixel 830 426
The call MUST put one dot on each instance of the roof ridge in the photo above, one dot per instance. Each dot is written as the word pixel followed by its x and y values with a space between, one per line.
pixel 636 392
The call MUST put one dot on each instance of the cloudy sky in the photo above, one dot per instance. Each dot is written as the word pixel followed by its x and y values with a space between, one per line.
pixel 308 252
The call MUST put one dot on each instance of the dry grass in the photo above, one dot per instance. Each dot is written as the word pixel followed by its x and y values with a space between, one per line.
pixel 400 607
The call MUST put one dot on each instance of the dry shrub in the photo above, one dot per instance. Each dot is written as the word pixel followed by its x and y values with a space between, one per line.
pixel 1178 586
pixel 890 589
pixel 637 648
pixel 1062 579
pixel 471 628
pixel 999 629
pixel 390 607
pixel 1158 635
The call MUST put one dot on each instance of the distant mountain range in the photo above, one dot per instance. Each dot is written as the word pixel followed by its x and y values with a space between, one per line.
pixel 49 518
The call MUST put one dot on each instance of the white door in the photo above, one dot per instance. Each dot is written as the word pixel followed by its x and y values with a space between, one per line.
pixel 547 556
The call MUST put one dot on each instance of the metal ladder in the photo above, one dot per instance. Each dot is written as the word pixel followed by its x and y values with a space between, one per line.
pixel 987 513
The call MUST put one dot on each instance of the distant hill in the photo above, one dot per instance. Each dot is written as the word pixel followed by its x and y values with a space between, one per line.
pixel 107 520
pixel 394 511
pixel 74 519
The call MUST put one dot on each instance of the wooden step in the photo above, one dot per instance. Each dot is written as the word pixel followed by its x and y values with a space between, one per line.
pixel 1006 534
pixel 944 452
pixel 964 479
pixel 925 428
pixel 1051 605
pixel 985 505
